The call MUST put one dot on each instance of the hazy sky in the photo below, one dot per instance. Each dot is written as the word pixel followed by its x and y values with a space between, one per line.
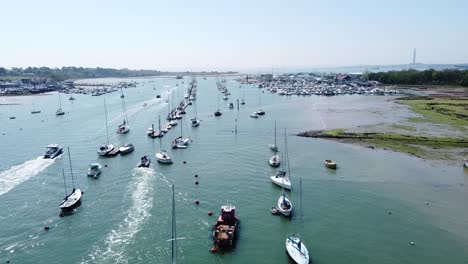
pixel 237 35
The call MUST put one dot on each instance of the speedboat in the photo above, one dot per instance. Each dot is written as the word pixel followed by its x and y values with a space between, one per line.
pixel 104 149
pixel 195 122
pixel 217 113
pixel 284 205
pixel 254 115
pixel 330 164
pixel 297 250
pixel 274 161
pixel 163 157
pixel 71 201
pixel 94 170
pixel 144 162
pixel 126 148
pixel 123 129
pixel 260 112
pixel 53 151
pixel 281 180
pixel 59 112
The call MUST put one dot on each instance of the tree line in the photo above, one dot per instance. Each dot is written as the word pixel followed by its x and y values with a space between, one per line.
pixel 426 77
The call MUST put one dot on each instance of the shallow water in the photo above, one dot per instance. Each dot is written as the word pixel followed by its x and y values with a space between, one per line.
pixel 125 215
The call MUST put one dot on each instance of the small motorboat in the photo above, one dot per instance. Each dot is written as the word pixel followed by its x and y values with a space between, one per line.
pixel 173 123
pixel 225 97
pixel 217 113
pixel 59 112
pixel 330 164
pixel 126 148
pixel 35 111
pixel 242 102
pixel 52 151
pixel 12 117
pixel 144 162
pixel 104 149
pixel 94 170
pixel 163 157
pixel 260 112
pixel 284 205
pixel 231 105
pixel 274 161
pixel 254 115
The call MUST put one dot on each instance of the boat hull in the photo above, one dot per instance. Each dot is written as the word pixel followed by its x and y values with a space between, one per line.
pixel 72 201
pixel 284 211
pixel 299 254
pixel 284 183
pixel 274 161
pixel 163 158
pixel 53 155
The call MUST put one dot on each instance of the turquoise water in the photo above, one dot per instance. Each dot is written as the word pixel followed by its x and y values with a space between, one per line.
pixel 125 215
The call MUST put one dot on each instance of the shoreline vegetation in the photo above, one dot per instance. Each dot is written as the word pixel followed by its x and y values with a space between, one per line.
pixel 65 73
pixel 452 77
pixel 451 111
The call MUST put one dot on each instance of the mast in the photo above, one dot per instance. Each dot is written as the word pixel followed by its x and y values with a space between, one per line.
pixel 71 167
pixel 300 210
pixel 160 144
pixel 64 185
pixel 276 147
pixel 287 154
pixel 60 101
pixel 174 230
pixel 105 114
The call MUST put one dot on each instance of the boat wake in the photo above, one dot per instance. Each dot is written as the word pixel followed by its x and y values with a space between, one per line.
pixel 115 242
pixel 21 173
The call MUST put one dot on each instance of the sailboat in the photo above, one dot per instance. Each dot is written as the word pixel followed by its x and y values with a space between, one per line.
pixel 284 206
pixel 59 111
pixel 295 246
pixel 162 156
pixel 281 178
pixel 275 159
pixel 104 149
pixel 195 120
pixel 180 142
pixel 123 128
pixel 243 97
pixel 34 110
pixel 218 112
pixel 73 199
pixel 260 111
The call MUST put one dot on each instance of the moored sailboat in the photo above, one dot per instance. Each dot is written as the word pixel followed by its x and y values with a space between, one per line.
pixel 104 149
pixel 73 199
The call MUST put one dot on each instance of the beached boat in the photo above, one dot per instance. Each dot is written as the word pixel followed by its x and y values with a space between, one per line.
pixel 145 162
pixel 330 164
pixel 295 246
pixel 52 151
pixel 126 148
pixel 94 170
pixel 226 228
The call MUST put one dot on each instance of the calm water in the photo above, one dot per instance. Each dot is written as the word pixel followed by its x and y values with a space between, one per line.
pixel 125 215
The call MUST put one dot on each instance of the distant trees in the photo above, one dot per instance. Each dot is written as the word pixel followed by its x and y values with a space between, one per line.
pixel 414 77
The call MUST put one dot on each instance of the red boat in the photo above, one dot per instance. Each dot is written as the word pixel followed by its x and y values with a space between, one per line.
pixel 225 229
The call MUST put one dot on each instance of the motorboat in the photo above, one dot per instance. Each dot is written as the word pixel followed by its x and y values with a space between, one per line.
pixel 225 229
pixel 274 161
pixel 330 164
pixel 144 162
pixel 217 113
pixel 195 122
pixel 254 115
pixel 126 148
pixel 282 180
pixel 284 205
pixel 104 149
pixel 35 111
pixel 94 170
pixel 297 250
pixel 231 105
pixel 173 123
pixel 123 128
pixel 260 112
pixel 242 102
pixel 163 157
pixel 52 151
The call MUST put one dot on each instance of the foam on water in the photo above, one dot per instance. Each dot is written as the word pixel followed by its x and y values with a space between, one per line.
pixel 21 173
pixel 113 249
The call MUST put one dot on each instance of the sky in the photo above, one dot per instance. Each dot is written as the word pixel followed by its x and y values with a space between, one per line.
pixel 239 35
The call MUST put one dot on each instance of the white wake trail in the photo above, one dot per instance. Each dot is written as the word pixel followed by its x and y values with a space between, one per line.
pixel 113 249
pixel 18 174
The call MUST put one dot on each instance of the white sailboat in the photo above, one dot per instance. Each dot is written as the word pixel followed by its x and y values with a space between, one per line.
pixel 282 177
pixel 180 142
pixel 59 111
pixel 195 120
pixel 73 199
pixel 295 246
pixel 123 128
pixel 104 149
pixel 284 205
pixel 275 160
pixel 34 110
pixel 162 156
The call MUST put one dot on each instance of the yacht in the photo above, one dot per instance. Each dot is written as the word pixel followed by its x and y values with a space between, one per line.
pixel 126 148
pixel 180 142
pixel 52 151
pixel 231 105
pixel 72 199
pixel 123 128
pixel 254 115
pixel 94 170
pixel 163 157
pixel 282 180
pixel 59 112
